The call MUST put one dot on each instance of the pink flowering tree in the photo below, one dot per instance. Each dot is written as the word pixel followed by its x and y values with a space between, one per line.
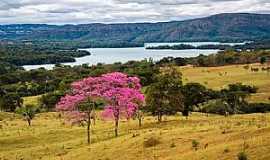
pixel 121 93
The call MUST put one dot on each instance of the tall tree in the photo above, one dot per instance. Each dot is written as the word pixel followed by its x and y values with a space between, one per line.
pixel 164 97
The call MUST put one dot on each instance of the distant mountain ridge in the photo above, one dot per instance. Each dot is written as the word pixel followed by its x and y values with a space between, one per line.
pixel 221 27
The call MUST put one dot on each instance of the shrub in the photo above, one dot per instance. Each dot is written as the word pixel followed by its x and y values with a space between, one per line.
pixel 173 145
pixel 50 99
pixel 151 142
pixel 263 60
pixel 242 156
pixel 216 107
pixel 28 112
pixel 195 145
pixel 256 108
pixel 226 150
pixel 246 67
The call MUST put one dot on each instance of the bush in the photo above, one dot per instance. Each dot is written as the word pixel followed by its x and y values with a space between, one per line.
pixel 195 145
pixel 263 60
pixel 256 108
pixel 172 145
pixel 28 112
pixel 151 142
pixel 49 100
pixel 216 107
pixel 246 67
pixel 226 150
pixel 242 156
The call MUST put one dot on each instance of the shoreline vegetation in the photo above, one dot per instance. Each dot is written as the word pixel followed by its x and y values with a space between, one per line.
pixel 23 54
pixel 222 47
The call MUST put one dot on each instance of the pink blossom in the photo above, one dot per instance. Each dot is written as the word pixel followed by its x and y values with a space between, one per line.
pixel 121 93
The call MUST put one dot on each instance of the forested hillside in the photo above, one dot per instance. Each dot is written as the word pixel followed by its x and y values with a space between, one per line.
pixel 222 27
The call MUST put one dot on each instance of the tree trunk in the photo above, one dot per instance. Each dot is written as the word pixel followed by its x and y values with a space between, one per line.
pixel 159 117
pixel 140 122
pixel 116 127
pixel 94 117
pixel 185 113
pixel 140 117
pixel 88 128
pixel 29 121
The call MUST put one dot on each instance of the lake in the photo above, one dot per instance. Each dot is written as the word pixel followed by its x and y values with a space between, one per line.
pixel 112 55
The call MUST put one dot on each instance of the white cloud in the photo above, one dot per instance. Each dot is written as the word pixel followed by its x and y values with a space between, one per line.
pixel 113 11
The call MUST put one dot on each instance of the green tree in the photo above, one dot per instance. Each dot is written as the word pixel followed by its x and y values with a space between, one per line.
pixel 235 96
pixel 10 101
pixel 164 97
pixel 195 94
pixel 262 60
pixel 49 100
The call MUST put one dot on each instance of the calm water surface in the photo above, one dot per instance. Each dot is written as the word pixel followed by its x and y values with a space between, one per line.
pixel 112 55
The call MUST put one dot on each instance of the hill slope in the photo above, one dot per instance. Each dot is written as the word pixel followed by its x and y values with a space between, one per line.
pixel 218 138
pixel 220 77
pixel 229 26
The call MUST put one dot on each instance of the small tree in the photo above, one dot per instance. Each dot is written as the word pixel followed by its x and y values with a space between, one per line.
pixel 139 115
pixel 28 112
pixel 88 108
pixel 123 96
pixel 235 96
pixel 262 60
pixel 195 94
pixel 78 109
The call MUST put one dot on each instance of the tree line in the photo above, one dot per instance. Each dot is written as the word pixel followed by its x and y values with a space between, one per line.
pixel 257 45
pixel 228 57
pixel 52 84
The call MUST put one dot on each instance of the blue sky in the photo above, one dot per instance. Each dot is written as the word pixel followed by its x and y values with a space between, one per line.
pixel 120 11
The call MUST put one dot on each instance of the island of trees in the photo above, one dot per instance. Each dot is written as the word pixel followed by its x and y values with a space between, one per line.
pixel 258 45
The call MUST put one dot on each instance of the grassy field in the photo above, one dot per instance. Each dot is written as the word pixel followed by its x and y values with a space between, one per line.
pixel 220 77
pixel 218 137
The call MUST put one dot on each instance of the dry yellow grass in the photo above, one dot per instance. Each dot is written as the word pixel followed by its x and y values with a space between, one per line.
pixel 33 100
pixel 219 138
pixel 219 77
